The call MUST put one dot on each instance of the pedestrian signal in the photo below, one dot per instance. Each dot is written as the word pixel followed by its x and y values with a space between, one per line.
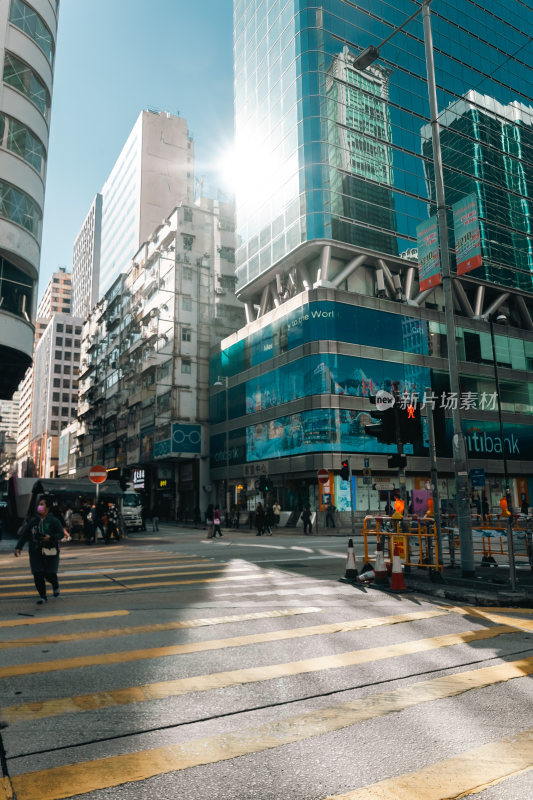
pixel 345 471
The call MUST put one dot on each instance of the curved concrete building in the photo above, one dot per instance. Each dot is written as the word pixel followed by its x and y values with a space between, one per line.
pixel 29 29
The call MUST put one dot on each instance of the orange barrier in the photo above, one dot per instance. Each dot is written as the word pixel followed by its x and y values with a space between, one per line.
pixel 414 539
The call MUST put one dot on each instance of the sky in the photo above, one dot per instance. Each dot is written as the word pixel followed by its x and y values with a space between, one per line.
pixel 114 58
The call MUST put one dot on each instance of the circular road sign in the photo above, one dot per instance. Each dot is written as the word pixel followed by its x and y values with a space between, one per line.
pixel 323 475
pixel 97 474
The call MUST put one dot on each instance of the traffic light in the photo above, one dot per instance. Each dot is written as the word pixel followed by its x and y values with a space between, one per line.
pixel 264 484
pixel 385 429
pixel 345 471
pixel 410 424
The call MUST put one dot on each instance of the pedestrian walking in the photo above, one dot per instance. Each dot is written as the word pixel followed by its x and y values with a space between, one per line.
pixel 216 523
pixel 43 532
pixel 259 519
pixel 269 520
pixel 330 515
pixel 306 519
pixel 209 514
pixel 276 508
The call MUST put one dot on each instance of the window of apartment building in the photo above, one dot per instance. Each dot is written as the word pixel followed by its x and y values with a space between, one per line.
pixel 65 398
pixel 66 369
pixel 57 383
pixel 74 384
pixel 185 367
pixel 74 399
pixel 55 411
pixel 187 214
pixel 187 242
pixel 228 253
pixel 59 327
pixel 76 356
pixel 77 331
pixel 76 342
pixel 68 356
pixel 58 355
pixel 185 334
pixel 59 341
pixel 56 280
pixel 66 383
pixel 54 425
pixel 187 273
pixel 57 369
pixel 65 309
pixel 68 342
pixel 186 303
pixel 55 397
pixel 69 329
pixel 64 412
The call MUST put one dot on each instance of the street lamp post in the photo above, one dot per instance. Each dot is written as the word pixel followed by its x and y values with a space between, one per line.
pixel 459 449
pixel 507 490
pixel 223 381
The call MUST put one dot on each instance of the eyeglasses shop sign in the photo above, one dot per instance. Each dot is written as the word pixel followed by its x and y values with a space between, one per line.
pixel 185 439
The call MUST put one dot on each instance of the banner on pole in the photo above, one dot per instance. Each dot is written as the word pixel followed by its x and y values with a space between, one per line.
pixel 467 234
pixel 428 254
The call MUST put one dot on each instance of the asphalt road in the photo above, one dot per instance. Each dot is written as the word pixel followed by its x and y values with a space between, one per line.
pixel 176 667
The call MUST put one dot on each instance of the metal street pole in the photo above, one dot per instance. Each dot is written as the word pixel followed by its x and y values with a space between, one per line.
pixel 459 450
pixel 434 476
pixel 363 60
pixel 510 543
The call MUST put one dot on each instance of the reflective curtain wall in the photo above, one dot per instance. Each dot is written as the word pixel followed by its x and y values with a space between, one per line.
pixel 332 151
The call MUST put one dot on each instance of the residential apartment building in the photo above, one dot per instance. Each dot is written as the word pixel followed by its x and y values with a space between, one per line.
pixel 56 299
pixel 335 184
pixel 28 31
pixel 86 261
pixel 55 395
pixel 144 383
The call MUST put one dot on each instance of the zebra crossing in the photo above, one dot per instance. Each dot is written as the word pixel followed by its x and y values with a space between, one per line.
pixel 98 698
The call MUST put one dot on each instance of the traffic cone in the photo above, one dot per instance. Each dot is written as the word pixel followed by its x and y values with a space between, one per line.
pixel 351 568
pixel 397 580
pixel 381 577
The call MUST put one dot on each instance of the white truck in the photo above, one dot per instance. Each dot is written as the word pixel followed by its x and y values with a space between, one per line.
pixel 131 509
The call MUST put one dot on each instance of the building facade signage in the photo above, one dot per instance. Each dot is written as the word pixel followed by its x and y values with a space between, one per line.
pixel 138 478
pixel 428 254
pixel 467 234
pixel 185 439
pixel 64 448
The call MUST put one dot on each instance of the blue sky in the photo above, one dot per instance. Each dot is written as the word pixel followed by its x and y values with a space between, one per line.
pixel 114 58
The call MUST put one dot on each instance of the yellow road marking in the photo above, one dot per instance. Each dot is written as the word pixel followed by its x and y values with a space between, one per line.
pixel 217 680
pixel 6 790
pixel 164 626
pixel 84 563
pixel 89 776
pixel 459 776
pixel 14 623
pixel 133 576
pixel 116 587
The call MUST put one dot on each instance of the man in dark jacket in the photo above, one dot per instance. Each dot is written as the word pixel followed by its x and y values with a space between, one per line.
pixel 43 532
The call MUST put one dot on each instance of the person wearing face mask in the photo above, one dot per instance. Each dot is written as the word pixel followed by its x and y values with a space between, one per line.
pixel 43 532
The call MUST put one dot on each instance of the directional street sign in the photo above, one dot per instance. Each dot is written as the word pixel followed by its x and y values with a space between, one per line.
pixel 97 474
pixel 384 487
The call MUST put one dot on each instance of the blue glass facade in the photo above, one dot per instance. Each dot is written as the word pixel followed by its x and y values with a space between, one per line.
pixel 342 154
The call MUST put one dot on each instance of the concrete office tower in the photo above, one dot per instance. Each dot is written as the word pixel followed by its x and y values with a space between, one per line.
pixel 56 299
pixel 153 173
pixel 27 48
pixel 86 262
pixel 55 396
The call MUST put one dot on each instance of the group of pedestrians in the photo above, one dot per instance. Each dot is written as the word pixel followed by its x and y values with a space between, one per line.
pixel 213 521
pixel 267 518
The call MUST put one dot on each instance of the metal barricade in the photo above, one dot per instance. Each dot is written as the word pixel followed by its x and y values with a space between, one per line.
pixel 416 540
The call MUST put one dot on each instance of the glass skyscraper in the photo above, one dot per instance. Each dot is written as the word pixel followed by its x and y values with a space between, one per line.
pixel 336 178
pixel 342 154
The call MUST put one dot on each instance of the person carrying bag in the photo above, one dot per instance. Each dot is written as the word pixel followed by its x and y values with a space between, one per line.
pixel 43 532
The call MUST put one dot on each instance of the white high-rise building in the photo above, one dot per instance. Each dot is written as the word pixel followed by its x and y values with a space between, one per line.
pixel 153 173
pixel 86 261
pixel 27 49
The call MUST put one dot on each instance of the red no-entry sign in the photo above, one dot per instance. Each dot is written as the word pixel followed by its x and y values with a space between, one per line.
pixel 97 474
pixel 323 475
